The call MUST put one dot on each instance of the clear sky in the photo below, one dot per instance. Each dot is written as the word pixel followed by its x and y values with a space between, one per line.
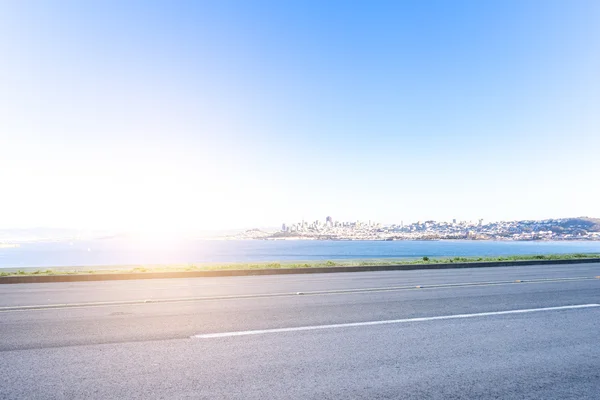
pixel 175 115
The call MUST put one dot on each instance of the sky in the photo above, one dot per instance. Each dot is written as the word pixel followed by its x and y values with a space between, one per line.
pixel 185 115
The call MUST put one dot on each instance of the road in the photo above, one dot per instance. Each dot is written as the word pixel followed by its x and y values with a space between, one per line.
pixel 512 332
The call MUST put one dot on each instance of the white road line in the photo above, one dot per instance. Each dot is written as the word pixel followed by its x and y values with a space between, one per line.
pixel 38 307
pixel 386 322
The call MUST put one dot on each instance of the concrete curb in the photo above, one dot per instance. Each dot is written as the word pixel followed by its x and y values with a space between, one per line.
pixel 278 271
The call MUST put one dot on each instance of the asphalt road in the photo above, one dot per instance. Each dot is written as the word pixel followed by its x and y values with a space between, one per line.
pixel 467 333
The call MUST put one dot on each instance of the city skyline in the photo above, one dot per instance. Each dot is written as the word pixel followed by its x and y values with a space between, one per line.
pixel 223 115
pixel 587 229
pixel 577 228
pixel 322 222
pixel 479 221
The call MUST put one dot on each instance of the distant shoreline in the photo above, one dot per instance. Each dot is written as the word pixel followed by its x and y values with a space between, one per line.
pixel 297 264
pixel 20 243
pixel 412 240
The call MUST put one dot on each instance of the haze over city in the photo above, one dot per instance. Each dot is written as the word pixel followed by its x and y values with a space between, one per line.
pixel 219 115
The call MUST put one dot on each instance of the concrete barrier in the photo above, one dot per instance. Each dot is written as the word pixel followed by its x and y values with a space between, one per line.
pixel 276 271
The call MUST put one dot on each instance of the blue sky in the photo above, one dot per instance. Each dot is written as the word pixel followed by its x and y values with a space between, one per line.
pixel 222 114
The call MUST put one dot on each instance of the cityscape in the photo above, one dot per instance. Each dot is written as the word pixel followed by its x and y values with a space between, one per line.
pixel 581 228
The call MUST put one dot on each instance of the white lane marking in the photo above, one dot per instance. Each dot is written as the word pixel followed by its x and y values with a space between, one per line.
pixel 386 322
pixel 38 307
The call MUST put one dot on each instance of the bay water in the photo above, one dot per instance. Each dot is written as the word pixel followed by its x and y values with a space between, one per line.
pixel 115 252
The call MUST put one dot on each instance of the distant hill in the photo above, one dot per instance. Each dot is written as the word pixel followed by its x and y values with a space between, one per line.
pixel 582 223
pixel 253 234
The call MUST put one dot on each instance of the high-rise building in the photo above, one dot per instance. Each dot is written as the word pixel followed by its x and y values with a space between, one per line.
pixel 329 221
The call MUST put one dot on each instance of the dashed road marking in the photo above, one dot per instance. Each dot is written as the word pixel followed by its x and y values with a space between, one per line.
pixel 282 294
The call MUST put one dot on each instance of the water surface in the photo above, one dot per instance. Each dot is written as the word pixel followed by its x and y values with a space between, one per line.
pixel 111 252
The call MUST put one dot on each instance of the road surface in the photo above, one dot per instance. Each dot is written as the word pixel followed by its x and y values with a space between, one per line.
pixel 512 332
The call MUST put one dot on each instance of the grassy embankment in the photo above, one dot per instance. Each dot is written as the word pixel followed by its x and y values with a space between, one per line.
pixel 310 264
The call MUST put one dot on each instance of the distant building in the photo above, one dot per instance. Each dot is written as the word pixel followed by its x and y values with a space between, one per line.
pixel 329 221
